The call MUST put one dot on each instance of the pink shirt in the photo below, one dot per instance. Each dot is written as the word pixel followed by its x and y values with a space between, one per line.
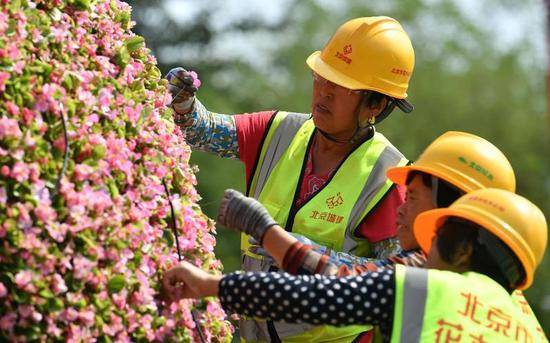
pixel 378 226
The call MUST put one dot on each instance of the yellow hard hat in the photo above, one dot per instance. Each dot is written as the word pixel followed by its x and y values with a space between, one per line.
pixel 466 161
pixel 370 53
pixel 519 223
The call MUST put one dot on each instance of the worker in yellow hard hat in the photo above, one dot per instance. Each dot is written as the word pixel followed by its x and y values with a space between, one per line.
pixel 482 247
pixel 321 175
pixel 453 164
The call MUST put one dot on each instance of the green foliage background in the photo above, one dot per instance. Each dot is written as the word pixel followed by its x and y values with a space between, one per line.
pixel 462 81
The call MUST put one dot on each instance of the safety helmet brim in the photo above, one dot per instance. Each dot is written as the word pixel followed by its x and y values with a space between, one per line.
pixel 399 175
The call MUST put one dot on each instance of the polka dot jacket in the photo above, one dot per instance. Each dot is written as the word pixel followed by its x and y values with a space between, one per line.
pixel 315 299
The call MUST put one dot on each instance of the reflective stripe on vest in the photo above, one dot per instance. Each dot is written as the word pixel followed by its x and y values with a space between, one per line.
pixel 414 300
pixel 278 144
pixel 376 180
pixel 438 306
pixel 276 182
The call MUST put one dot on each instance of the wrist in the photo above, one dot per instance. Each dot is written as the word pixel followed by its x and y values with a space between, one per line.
pixel 210 286
pixel 184 108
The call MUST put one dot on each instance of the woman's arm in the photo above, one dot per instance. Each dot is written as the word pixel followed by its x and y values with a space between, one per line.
pixel 249 216
pixel 363 299
pixel 317 299
pixel 209 131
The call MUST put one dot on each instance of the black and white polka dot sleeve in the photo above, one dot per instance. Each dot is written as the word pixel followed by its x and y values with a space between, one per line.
pixel 363 299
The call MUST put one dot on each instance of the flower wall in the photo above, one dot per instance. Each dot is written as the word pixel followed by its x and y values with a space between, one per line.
pixel 88 156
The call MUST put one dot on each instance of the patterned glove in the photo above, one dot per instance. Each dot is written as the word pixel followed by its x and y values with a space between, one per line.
pixel 244 214
pixel 182 85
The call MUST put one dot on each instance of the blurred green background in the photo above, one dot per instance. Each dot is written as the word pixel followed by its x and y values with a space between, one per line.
pixel 480 68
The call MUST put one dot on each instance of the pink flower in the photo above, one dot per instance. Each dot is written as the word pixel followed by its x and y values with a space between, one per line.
pixel 59 33
pixel 3 195
pixel 104 97
pixel 25 311
pixel 69 315
pixel 20 171
pixel 53 330
pixel 82 267
pixel 13 52
pixel 214 308
pixel 13 109
pixel 196 81
pixel 36 35
pixel 56 231
pixel 3 290
pixel 119 299
pixel 28 116
pixel 18 67
pixel 23 278
pixel 87 317
pixel 7 321
pixel 9 128
pixel 44 212
pixel 83 171
pixel 3 22
pixel 3 77
pixel 59 285
pixel 133 113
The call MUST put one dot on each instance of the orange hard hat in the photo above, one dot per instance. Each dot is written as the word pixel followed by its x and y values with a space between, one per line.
pixel 519 223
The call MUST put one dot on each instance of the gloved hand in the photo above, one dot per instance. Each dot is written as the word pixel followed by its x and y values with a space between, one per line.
pixel 244 214
pixel 182 85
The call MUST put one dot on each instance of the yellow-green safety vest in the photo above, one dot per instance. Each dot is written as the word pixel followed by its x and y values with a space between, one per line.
pixel 443 306
pixel 330 217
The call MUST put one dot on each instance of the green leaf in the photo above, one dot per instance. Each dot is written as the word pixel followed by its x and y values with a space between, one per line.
pixel 87 240
pixel 55 304
pixel 116 284
pixel 80 304
pixel 46 293
pixel 113 189
pixel 55 14
pixel 134 43
pixel 122 57
pixel 98 152
pixel 81 4
pixel 169 237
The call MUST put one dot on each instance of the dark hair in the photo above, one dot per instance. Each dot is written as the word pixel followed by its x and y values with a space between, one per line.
pixel 446 193
pixel 490 255
pixel 426 178
pixel 373 98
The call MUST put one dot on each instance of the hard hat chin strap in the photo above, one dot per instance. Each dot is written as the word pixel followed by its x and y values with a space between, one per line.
pixel 386 111
pixel 506 262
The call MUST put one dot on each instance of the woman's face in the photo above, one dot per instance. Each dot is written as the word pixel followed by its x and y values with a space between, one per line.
pixel 333 108
pixel 434 260
pixel 418 199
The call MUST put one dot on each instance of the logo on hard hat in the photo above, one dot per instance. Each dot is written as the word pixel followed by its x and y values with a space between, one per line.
pixel 483 171
pixel 488 202
pixel 343 55
pixel 401 72
pixel 347 49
